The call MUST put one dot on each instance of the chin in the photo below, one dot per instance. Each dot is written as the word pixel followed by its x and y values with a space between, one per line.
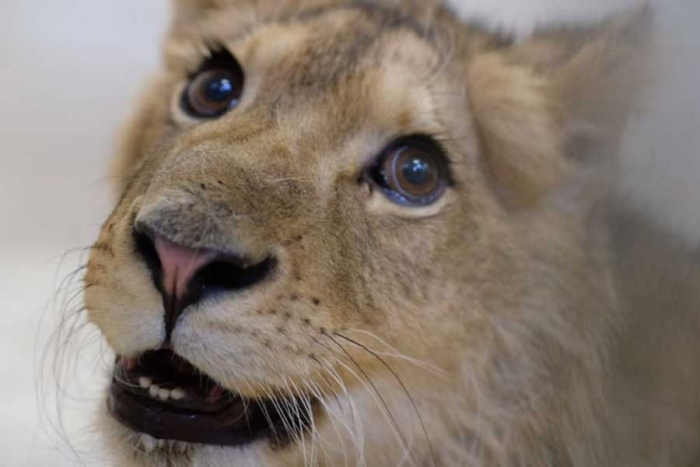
pixel 128 448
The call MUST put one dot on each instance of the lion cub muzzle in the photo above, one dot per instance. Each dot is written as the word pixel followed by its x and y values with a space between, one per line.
pixel 183 270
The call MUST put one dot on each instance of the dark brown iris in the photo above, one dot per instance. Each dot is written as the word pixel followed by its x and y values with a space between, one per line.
pixel 216 88
pixel 214 92
pixel 411 174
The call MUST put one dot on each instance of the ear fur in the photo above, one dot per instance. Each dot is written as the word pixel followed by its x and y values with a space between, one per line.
pixel 597 73
pixel 516 124
pixel 558 92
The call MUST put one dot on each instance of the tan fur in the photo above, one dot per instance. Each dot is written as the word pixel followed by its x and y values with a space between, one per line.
pixel 504 311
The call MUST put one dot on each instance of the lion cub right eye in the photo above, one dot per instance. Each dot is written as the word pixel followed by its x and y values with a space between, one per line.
pixel 412 172
pixel 215 88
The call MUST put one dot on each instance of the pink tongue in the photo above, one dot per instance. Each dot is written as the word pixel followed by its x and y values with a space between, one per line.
pixel 179 265
pixel 215 394
pixel 128 363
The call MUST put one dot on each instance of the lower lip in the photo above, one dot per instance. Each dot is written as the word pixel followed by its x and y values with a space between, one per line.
pixel 230 427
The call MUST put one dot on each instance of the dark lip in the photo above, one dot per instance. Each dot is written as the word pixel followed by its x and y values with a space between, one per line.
pixel 230 421
pixel 231 426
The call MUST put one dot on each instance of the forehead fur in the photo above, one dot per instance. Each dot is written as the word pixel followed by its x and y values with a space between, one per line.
pixel 360 25
pixel 374 63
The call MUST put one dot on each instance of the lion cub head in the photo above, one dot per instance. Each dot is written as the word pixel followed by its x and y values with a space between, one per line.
pixel 358 233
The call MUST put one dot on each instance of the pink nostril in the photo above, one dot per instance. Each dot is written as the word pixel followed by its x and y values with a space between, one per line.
pixel 179 265
pixel 183 275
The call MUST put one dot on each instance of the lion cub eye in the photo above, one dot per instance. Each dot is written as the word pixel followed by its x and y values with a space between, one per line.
pixel 412 172
pixel 216 88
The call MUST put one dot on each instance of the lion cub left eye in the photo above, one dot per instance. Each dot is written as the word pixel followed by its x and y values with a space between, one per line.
pixel 412 172
pixel 216 88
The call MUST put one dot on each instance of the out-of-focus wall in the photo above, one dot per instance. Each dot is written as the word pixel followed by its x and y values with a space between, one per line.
pixel 69 72
pixel 662 150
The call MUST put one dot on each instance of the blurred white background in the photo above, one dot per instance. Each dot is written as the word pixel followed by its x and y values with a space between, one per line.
pixel 69 73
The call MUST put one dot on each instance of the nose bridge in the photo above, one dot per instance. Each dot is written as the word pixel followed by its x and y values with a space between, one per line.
pixel 185 218
pixel 219 196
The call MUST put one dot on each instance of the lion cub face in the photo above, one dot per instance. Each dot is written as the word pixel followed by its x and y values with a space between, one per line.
pixel 327 218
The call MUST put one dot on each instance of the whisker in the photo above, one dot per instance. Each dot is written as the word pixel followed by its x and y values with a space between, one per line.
pixel 317 393
pixel 368 380
pixel 358 432
pixel 397 355
pixel 52 360
pixel 265 413
pixel 403 386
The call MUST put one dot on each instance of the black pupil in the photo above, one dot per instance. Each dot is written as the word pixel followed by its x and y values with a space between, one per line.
pixel 416 171
pixel 220 89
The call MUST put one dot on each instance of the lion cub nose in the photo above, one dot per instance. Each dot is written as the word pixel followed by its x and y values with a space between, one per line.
pixel 179 265
pixel 183 275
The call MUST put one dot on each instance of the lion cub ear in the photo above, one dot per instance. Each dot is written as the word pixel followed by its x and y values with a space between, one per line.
pixel 562 94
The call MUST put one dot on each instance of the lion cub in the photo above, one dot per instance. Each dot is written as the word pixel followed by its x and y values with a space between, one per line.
pixel 368 233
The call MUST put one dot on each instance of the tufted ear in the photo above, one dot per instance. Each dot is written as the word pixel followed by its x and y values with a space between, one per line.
pixel 561 92
pixel 597 72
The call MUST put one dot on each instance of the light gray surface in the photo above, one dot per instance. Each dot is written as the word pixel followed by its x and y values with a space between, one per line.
pixel 69 73
pixel 70 70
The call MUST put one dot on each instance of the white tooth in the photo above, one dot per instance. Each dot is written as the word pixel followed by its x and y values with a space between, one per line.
pixel 145 382
pixel 177 394
pixel 148 442
pixel 154 390
pixel 164 394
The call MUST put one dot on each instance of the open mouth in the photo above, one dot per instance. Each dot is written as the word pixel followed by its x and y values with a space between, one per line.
pixel 162 395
